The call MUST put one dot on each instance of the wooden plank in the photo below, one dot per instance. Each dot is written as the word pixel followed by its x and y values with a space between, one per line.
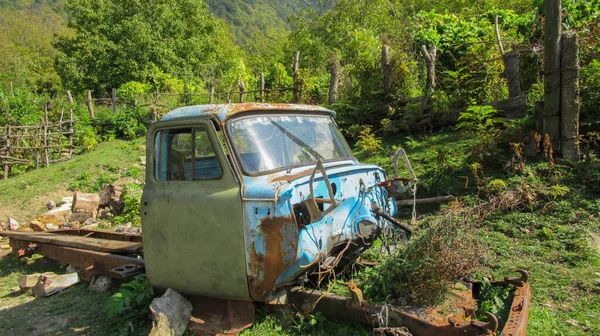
pixel 86 243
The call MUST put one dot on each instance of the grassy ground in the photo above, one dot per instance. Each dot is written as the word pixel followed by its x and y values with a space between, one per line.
pixel 552 237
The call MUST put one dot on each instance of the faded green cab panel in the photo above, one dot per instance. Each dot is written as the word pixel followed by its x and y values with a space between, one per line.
pixel 192 215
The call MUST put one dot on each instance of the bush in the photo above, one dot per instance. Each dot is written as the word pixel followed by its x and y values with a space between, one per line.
pixel 131 195
pixel 442 253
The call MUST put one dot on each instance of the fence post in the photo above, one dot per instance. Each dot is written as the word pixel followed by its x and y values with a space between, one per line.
pixel 12 94
pixel 90 104
pixel 386 68
pixel 229 94
pixel 569 96
pixel 155 101
pixel 7 152
pixel 114 99
pixel 296 77
pixel 333 82
pixel 552 30
pixel 45 123
pixel 262 87
pixel 211 95
pixel 242 89
pixel 37 148
pixel 70 133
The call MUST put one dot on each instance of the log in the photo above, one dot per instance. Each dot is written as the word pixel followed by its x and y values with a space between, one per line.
pixel 85 201
pixel 26 282
pixel 425 200
pixel 51 283
pixel 110 195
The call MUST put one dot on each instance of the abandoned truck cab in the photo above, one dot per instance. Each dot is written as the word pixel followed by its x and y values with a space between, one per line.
pixel 243 199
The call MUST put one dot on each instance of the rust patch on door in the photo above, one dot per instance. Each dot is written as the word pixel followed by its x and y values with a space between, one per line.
pixel 280 237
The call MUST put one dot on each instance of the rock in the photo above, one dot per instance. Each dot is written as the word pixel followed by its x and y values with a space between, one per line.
pixel 120 228
pixel 54 218
pixel 26 229
pixel 51 205
pixel 52 227
pixel 37 226
pixel 26 282
pixel 105 213
pixel 75 225
pixel 89 221
pixel 12 224
pixel 135 230
pixel 100 284
pixel 171 314
pixel 72 269
pixel 82 215
pixel 2 226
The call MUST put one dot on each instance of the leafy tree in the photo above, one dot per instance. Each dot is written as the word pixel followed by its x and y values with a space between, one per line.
pixel 117 41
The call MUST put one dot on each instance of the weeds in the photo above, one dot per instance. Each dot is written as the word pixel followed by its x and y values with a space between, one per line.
pixel 128 308
pixel 444 252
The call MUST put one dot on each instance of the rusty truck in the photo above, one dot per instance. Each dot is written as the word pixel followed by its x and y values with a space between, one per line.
pixel 243 203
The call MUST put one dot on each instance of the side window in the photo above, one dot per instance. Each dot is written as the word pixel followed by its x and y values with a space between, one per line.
pixel 185 154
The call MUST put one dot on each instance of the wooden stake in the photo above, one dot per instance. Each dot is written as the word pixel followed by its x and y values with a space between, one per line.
pixel 154 109
pixel 262 87
pixel 334 81
pixel 12 94
pixel 45 122
pixel 90 104
pixel 7 151
pixel 114 99
pixel 569 96
pixel 211 95
pixel 386 68
pixel 552 30
pixel 69 97
pixel 37 148
pixel 229 94
pixel 295 69
pixel 242 89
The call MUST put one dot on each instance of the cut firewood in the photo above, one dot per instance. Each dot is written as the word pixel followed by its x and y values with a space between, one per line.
pixel 110 193
pixel 26 282
pixel 85 201
pixel 51 283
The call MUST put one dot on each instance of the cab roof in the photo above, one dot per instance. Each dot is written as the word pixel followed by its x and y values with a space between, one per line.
pixel 222 112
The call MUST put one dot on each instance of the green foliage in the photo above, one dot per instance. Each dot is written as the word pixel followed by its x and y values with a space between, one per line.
pixel 85 137
pixel 137 41
pixel 24 108
pixel 126 123
pixel 368 142
pixel 590 94
pixel 131 195
pixel 84 183
pixel 479 119
pixel 558 191
pixel 131 90
pixel 495 300
pixel 128 308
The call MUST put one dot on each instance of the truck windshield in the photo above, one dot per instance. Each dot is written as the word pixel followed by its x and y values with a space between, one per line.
pixel 265 143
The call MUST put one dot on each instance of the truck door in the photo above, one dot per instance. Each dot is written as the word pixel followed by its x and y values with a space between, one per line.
pixel 192 213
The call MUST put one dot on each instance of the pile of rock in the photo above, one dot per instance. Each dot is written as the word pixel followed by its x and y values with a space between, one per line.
pixel 82 210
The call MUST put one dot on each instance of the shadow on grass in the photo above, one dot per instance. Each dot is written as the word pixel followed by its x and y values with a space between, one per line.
pixel 74 311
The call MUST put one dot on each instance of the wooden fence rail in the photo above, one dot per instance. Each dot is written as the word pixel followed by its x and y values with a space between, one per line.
pixel 24 145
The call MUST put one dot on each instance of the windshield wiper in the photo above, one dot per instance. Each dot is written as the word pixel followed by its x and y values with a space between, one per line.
pixel 298 142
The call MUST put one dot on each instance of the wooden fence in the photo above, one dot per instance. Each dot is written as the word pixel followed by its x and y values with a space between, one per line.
pixel 45 143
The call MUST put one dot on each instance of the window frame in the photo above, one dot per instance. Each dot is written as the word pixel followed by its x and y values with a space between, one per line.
pixel 240 164
pixel 157 155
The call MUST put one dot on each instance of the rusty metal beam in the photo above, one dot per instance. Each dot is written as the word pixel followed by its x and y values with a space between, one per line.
pixel 341 308
pixel 101 262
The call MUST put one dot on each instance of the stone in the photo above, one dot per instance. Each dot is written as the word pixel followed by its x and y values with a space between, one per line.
pixel 120 228
pixel 52 227
pixel 135 231
pixel 72 269
pixel 100 284
pixel 89 221
pixel 75 225
pixel 51 205
pixel 171 314
pixel 54 219
pixel 37 226
pixel 2 226
pixel 12 224
pixel 105 213
pixel 82 215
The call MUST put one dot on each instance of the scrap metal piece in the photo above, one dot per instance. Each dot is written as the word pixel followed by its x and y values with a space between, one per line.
pixel 519 281
pixel 126 271
pixel 220 317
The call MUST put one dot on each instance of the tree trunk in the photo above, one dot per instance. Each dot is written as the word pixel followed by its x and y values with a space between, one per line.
pixel 511 71
pixel 552 29
pixel 296 69
pixel 85 201
pixel 430 56
pixel 569 96
pixel 386 68
pixel 334 81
